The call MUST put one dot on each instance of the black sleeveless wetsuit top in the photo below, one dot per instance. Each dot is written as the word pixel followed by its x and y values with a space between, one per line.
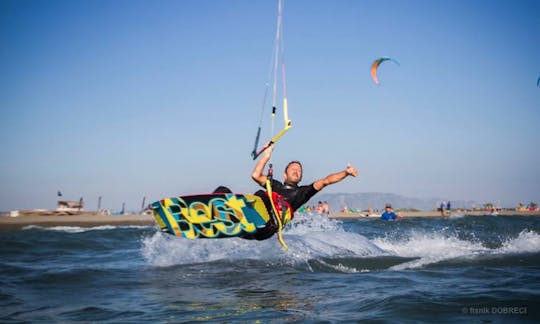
pixel 296 196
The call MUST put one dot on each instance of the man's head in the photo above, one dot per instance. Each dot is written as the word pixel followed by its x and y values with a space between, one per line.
pixel 388 207
pixel 293 172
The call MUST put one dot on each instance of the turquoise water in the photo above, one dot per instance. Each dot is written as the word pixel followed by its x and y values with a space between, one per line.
pixel 466 268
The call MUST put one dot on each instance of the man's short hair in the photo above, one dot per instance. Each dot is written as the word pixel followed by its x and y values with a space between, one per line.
pixel 293 162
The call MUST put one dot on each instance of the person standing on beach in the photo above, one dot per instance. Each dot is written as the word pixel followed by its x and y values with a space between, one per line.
pixel 442 209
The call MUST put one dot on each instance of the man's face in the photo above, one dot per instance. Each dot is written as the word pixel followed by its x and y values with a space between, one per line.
pixel 293 174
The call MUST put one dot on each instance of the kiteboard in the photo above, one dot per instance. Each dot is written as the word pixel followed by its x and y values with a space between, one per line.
pixel 217 215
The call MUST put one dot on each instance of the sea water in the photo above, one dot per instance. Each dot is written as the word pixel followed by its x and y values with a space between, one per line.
pixel 462 268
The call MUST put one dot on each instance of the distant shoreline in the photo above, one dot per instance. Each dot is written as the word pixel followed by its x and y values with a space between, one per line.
pixel 433 213
pixel 92 219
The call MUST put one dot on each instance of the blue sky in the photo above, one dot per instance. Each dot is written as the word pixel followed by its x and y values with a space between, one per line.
pixel 133 99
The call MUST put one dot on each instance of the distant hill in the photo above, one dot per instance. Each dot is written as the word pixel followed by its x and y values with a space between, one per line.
pixel 377 200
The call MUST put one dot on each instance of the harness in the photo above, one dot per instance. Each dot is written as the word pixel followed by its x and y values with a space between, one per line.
pixel 282 212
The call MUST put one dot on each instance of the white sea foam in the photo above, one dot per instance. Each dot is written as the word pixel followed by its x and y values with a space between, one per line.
pixel 309 237
pixel 165 250
pixel 312 236
pixel 304 223
pixel 342 268
pixel 315 236
pixel 526 242
pixel 431 248
pixel 428 248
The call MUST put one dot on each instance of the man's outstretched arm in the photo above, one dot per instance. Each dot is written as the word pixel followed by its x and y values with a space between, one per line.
pixel 335 177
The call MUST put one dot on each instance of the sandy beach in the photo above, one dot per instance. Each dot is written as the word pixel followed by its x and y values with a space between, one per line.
pixel 91 219
pixel 83 219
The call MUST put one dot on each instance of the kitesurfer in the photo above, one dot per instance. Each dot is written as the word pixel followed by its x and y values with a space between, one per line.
pixel 290 194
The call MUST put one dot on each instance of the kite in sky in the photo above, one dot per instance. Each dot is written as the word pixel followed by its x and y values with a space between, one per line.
pixel 376 64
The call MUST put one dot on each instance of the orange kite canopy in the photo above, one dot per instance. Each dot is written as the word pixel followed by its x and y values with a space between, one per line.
pixel 376 64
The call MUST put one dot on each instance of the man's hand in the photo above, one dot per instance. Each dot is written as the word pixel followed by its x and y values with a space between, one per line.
pixel 269 148
pixel 258 172
pixel 351 170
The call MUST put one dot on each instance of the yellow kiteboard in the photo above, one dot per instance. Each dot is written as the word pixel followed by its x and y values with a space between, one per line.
pixel 216 215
